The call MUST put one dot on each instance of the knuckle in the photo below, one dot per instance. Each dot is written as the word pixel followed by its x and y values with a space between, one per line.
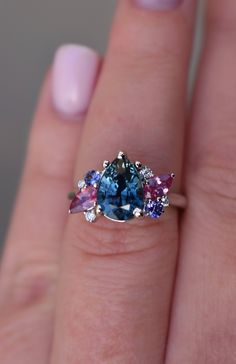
pixel 39 166
pixel 42 170
pixel 33 282
pixel 106 238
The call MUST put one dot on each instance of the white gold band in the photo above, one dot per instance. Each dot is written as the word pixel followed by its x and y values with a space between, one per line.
pixel 177 200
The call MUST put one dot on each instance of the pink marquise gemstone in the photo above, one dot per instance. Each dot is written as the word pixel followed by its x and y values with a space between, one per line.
pixel 84 200
pixel 158 186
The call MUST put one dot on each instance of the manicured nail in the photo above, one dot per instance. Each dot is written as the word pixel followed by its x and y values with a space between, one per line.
pixel 74 75
pixel 158 4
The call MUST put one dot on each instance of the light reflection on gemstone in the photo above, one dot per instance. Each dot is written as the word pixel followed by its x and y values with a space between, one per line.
pixel 84 200
pixel 158 186
pixel 165 201
pixel 146 172
pixel 92 178
pixel 154 209
pixel 120 190
pixel 90 215
pixel 81 184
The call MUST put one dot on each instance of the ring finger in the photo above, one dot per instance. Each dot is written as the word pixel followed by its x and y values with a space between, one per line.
pixel 116 281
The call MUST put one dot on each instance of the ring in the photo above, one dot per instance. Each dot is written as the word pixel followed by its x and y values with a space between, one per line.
pixel 123 191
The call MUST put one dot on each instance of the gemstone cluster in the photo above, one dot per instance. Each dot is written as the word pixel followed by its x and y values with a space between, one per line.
pixel 121 192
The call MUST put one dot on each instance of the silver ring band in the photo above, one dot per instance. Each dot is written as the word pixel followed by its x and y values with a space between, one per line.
pixel 177 200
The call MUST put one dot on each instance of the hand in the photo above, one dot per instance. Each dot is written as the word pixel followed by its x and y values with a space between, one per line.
pixel 73 292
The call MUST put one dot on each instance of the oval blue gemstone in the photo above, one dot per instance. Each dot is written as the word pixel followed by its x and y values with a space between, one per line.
pixel 120 190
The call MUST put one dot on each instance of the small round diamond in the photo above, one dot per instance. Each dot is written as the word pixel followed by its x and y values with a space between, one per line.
pixel 146 172
pixel 90 215
pixel 154 209
pixel 92 178
pixel 81 184
pixel 165 201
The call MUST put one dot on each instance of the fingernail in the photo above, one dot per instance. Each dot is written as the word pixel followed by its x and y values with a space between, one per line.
pixel 75 71
pixel 158 4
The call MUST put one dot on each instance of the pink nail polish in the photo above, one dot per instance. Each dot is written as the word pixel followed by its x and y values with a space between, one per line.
pixel 158 4
pixel 74 75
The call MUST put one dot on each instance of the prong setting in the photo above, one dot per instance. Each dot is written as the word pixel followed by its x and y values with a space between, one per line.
pixel 98 210
pixel 138 165
pixel 138 212
pixel 71 195
pixel 105 164
pixel 121 155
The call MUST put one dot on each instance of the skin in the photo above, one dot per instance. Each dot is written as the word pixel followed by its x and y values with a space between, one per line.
pixel 143 292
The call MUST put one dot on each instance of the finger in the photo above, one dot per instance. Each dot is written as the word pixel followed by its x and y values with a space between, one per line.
pixel 203 328
pixel 116 281
pixel 30 263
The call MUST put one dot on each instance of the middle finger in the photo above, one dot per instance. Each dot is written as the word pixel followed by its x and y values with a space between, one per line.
pixel 114 306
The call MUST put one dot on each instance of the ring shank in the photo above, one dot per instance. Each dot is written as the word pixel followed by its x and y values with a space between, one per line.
pixel 177 200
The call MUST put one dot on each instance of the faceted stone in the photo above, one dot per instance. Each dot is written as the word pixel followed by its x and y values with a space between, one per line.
pixel 154 209
pixel 84 200
pixel 92 178
pixel 146 172
pixel 120 190
pixel 165 201
pixel 166 180
pixel 90 215
pixel 81 184
pixel 158 186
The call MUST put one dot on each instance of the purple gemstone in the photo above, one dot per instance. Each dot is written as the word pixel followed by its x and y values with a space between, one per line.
pixel 167 180
pixel 84 200
pixel 158 186
pixel 92 178
pixel 154 209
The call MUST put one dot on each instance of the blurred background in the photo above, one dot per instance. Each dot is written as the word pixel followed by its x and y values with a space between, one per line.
pixel 30 31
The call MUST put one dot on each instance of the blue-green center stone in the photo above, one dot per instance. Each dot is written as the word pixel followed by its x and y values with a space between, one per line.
pixel 120 190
